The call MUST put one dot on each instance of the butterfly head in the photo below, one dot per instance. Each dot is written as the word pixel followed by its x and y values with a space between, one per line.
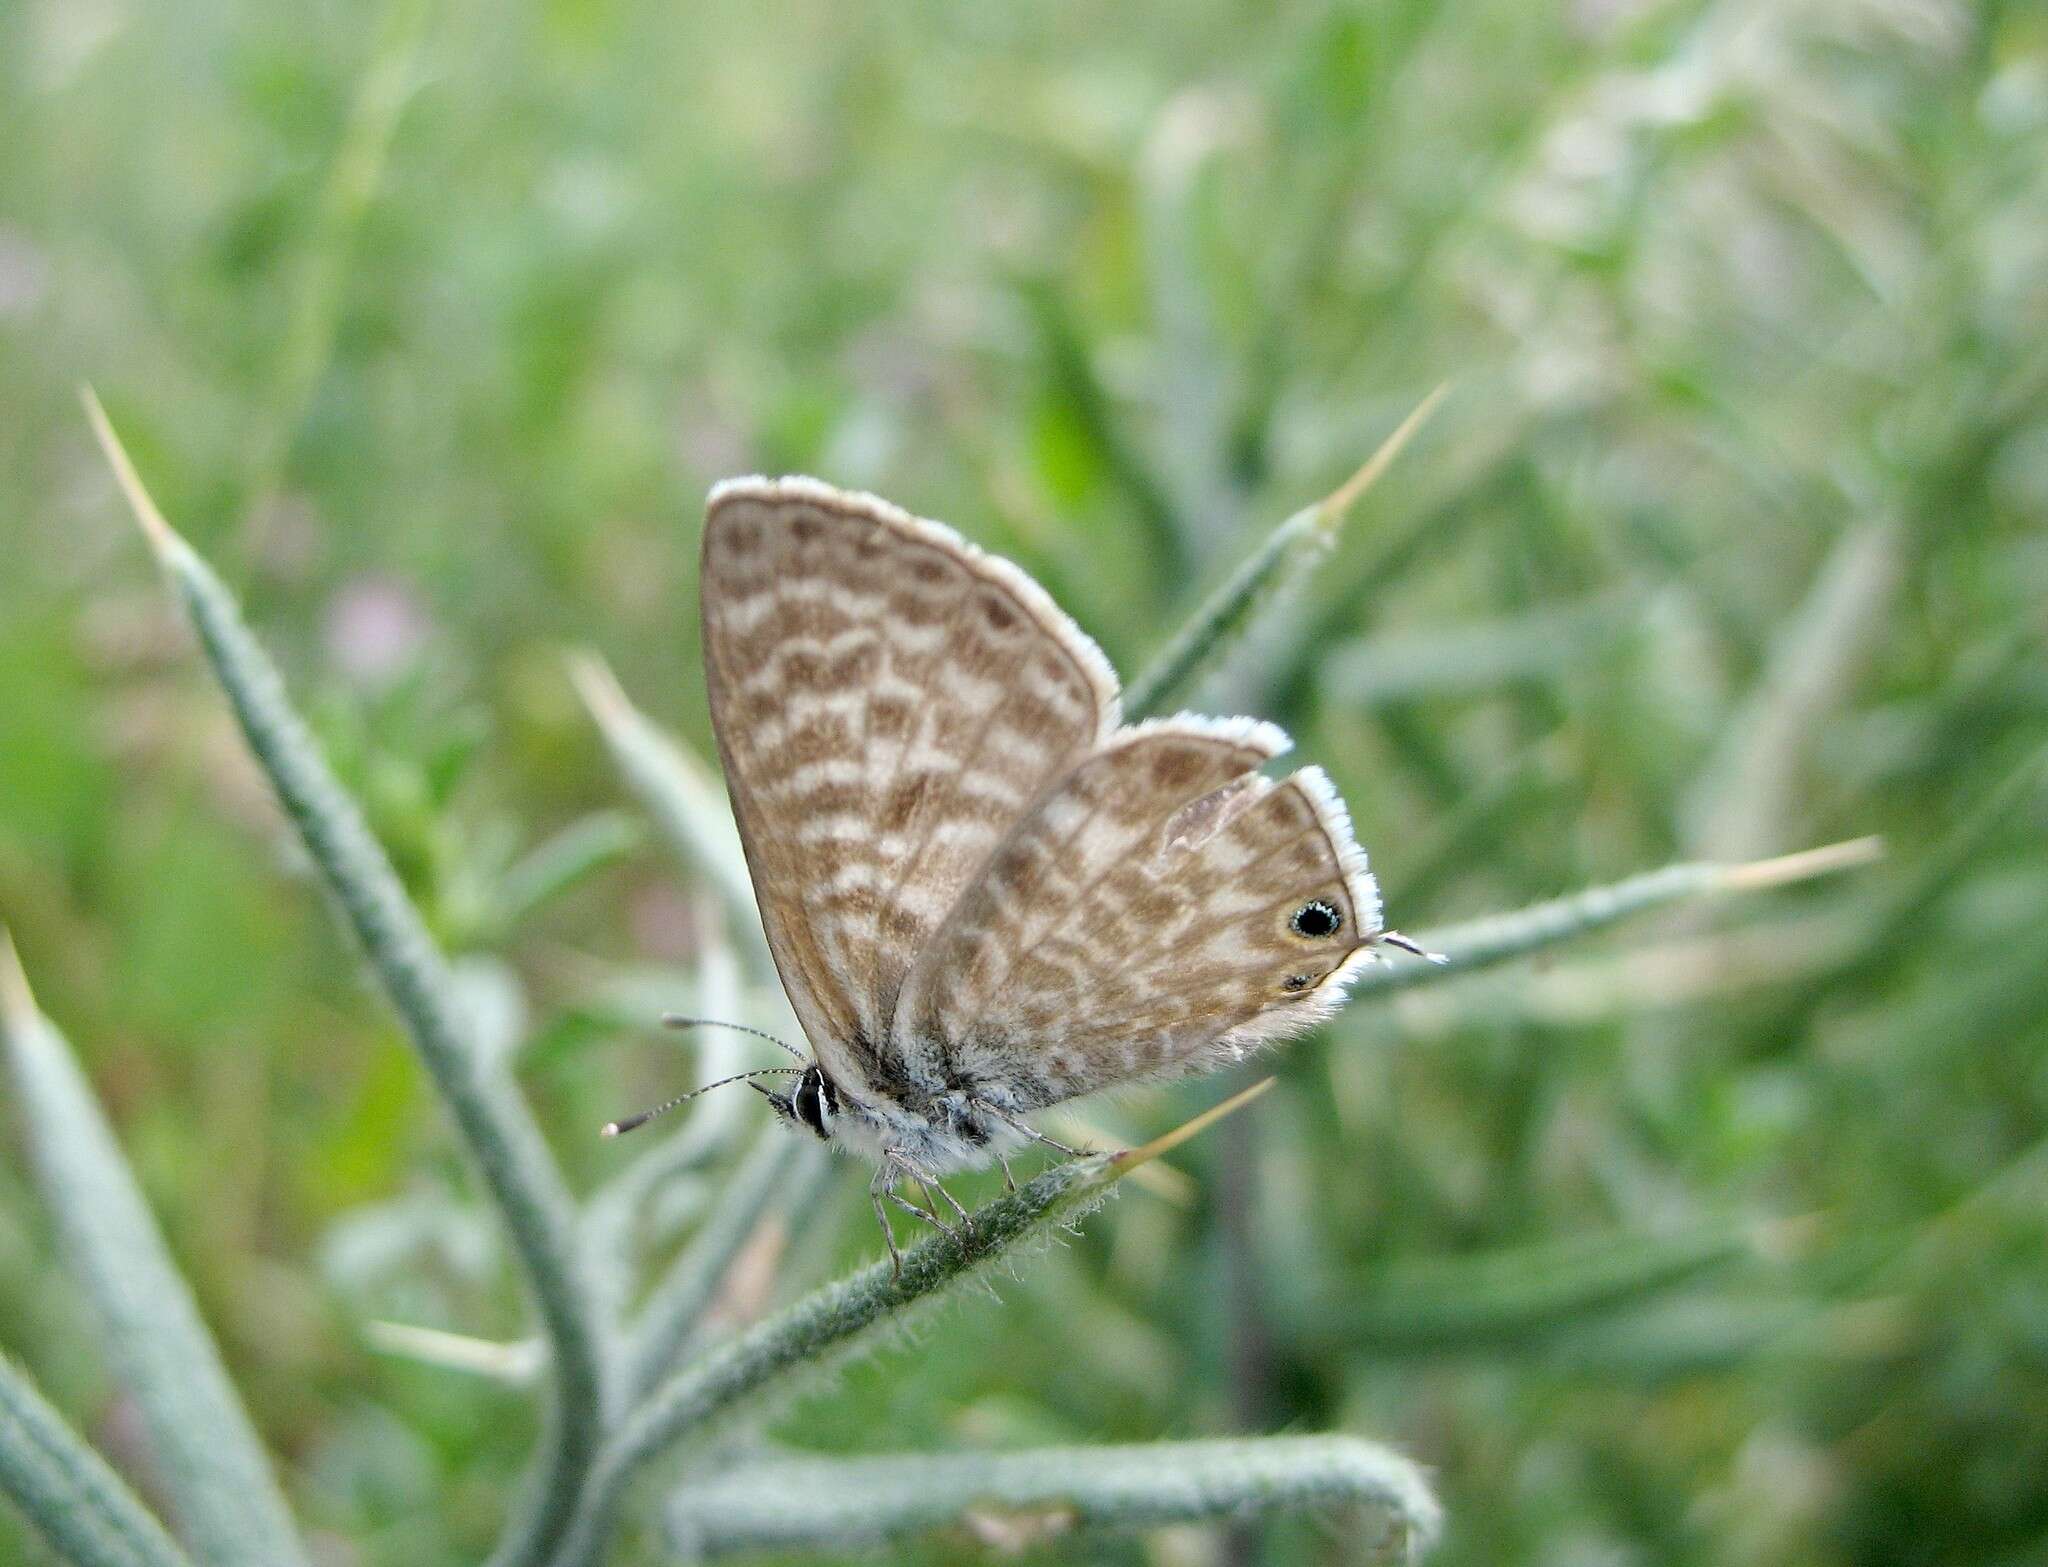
pixel 813 1103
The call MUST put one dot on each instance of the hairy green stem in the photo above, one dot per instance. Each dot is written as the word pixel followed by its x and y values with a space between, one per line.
pixel 1262 580
pixel 1012 1501
pixel 218 1480
pixel 68 1492
pixel 755 1373
pixel 751 1377
pixel 1481 943
pixel 518 1170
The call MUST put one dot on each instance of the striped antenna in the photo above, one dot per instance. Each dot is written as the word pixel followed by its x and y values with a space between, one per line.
pixel 631 1122
pixel 677 1020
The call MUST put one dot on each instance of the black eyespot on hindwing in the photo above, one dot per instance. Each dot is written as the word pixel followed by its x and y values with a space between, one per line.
pixel 1317 919
pixel 1295 982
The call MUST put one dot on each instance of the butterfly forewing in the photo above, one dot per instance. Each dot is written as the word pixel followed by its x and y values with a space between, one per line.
pixel 888 702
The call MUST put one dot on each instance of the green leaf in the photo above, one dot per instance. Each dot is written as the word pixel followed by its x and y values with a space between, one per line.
pixel 219 1481
pixel 518 1170
pixel 68 1492
pixel 579 850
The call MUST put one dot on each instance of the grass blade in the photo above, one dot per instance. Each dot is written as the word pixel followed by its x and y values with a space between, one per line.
pixel 305 347
pixel 1288 553
pixel 1481 943
pixel 1746 797
pixel 1014 1500
pixel 518 1170
pixel 758 1372
pixel 514 1365
pixel 1071 369
pixel 68 1492
pixel 1506 1298
pixel 1539 644
pixel 219 1481
pixel 580 850
pixel 684 797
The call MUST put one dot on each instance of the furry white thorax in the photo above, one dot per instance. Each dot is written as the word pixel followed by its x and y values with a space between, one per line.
pixel 955 1135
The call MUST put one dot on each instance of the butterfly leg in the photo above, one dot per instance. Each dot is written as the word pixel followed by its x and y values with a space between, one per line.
pixel 1009 1180
pixel 925 1213
pixel 932 1185
pixel 876 1187
pixel 929 1183
pixel 1027 1129
pixel 883 1189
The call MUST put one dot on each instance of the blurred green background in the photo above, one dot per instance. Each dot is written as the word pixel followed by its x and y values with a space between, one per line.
pixel 1718 1240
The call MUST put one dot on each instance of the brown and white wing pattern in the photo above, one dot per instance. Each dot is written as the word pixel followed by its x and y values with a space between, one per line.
pixel 888 702
pixel 1161 912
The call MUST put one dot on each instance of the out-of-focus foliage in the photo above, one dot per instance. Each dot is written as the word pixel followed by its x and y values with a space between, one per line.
pixel 1718 1243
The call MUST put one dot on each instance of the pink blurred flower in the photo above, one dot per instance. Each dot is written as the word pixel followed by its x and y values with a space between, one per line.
pixel 375 630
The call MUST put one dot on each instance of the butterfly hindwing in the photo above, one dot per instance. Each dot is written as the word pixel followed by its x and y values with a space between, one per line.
pixel 888 701
pixel 1146 920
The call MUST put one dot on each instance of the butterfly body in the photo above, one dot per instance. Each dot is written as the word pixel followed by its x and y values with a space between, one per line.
pixel 940 1133
pixel 986 894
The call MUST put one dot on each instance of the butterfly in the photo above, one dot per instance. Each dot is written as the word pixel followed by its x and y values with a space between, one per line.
pixel 985 894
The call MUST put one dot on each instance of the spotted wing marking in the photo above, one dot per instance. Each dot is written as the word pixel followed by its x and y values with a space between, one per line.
pixel 1139 923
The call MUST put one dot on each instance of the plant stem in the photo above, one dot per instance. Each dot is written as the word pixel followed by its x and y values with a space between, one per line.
pixel 519 1172
pixel 1016 1500
pixel 1281 559
pixel 770 1364
pixel 68 1492
pixel 1481 943
pixel 220 1486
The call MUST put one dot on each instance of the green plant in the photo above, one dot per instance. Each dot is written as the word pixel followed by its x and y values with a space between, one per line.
pixel 627 1389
